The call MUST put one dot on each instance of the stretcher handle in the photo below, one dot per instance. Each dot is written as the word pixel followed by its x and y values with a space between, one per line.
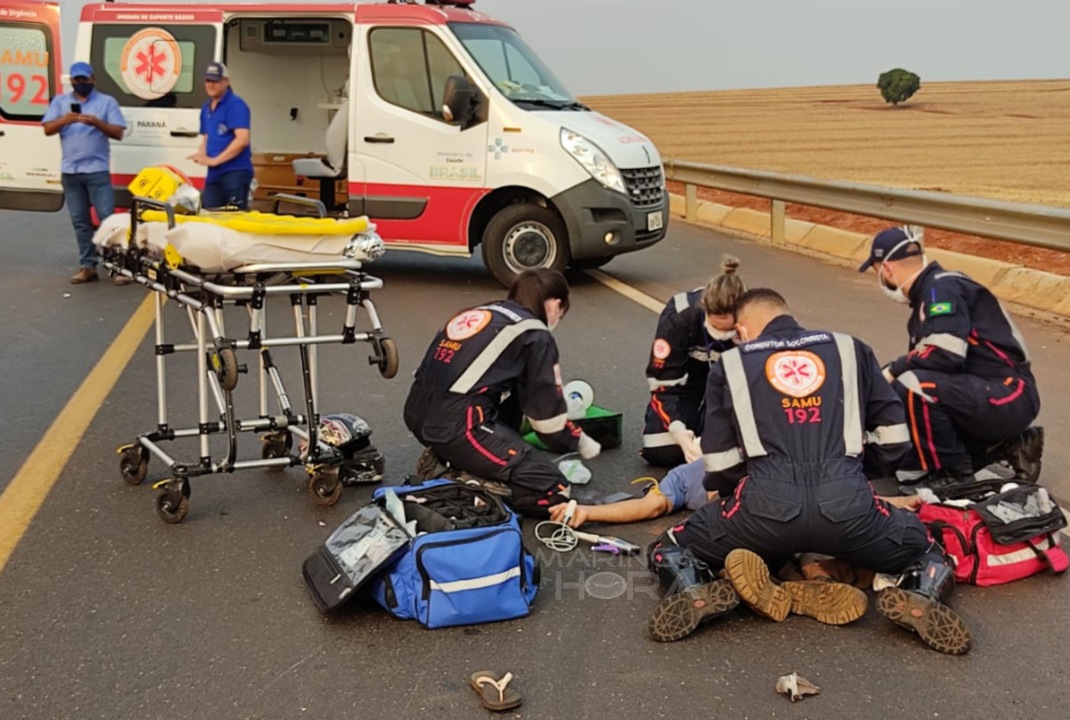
pixel 139 201
pixel 299 200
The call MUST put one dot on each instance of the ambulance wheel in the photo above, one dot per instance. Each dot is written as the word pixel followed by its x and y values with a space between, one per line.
pixel 388 358
pixel 589 263
pixel 524 236
pixel 325 486
pixel 276 445
pixel 172 501
pixel 134 464
pixel 225 363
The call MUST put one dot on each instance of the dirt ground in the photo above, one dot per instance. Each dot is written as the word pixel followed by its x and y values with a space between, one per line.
pixel 1004 140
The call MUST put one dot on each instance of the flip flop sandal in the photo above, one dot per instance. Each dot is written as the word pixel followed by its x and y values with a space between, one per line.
pixel 494 691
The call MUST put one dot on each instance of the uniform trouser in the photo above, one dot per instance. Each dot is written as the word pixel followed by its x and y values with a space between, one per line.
pixel 495 451
pixel 881 537
pixel 952 417
pixel 659 447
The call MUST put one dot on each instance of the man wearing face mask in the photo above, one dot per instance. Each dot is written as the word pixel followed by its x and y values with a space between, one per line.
pixel 488 368
pixel 86 119
pixel 693 330
pixel 966 381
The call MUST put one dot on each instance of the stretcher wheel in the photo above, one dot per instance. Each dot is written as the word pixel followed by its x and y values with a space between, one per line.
pixel 325 486
pixel 225 364
pixel 134 464
pixel 172 501
pixel 276 445
pixel 388 358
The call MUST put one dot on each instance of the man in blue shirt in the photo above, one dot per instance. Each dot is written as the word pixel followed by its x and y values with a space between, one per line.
pixel 224 150
pixel 85 120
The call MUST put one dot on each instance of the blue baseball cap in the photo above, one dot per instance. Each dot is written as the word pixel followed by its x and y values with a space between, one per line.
pixel 216 71
pixel 892 244
pixel 81 69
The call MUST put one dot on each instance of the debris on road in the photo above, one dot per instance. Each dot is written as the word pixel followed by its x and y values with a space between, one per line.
pixel 796 687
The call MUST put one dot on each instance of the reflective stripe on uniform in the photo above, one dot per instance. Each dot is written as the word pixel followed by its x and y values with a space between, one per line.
pixel 680 301
pixel 1014 332
pixel 911 382
pixel 486 359
pixel 744 410
pixel 852 412
pixel 704 355
pixel 718 461
pixel 944 341
pixel 653 440
pixel 889 434
pixel 551 425
pixel 655 383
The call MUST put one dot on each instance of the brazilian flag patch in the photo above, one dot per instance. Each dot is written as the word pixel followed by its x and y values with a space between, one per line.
pixel 941 308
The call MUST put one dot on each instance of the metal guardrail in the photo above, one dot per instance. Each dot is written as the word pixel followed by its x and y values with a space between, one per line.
pixel 1039 225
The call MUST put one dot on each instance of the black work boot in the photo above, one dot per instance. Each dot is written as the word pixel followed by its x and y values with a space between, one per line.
pixel 918 604
pixel 1022 452
pixel 956 481
pixel 693 594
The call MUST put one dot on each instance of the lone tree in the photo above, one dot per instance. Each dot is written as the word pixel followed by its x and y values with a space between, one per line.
pixel 898 85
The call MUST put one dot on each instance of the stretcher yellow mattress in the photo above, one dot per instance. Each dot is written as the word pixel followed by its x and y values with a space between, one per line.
pixel 221 242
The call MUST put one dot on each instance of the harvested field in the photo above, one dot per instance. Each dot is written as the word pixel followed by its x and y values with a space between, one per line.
pixel 1006 140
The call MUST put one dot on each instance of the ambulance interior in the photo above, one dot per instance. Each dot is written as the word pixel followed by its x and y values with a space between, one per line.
pixel 294 74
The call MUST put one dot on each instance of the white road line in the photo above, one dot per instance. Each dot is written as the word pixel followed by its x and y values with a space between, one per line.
pixel 655 306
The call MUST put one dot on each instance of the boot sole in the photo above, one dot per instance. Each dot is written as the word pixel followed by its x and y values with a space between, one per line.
pixel 937 625
pixel 831 603
pixel 680 614
pixel 749 575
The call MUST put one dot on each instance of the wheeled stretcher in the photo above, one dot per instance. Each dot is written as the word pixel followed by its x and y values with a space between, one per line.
pixel 205 263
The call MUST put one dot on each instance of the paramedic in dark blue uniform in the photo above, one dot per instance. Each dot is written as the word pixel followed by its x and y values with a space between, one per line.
pixel 966 382
pixel 792 418
pixel 225 143
pixel 489 367
pixel 693 330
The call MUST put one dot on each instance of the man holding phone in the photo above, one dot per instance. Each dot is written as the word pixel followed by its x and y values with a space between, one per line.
pixel 86 120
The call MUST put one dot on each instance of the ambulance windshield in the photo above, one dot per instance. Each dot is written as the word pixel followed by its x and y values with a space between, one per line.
pixel 513 67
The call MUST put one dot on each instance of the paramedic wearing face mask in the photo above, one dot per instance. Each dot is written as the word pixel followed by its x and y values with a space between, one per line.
pixel 486 369
pixel 693 330
pixel 966 381
pixel 225 149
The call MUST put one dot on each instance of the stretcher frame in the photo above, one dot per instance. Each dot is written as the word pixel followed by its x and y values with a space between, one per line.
pixel 204 298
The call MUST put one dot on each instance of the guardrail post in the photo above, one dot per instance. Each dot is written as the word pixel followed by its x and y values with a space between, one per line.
pixel 776 222
pixel 691 203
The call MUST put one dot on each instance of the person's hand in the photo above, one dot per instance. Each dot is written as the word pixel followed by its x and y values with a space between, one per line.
pixel 557 514
pixel 691 447
pixel 886 371
pixel 200 158
pixel 89 120
pixel 71 118
pixel 910 503
pixel 589 447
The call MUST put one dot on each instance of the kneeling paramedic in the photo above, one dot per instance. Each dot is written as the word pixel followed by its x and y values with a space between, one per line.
pixel 489 367
pixel 791 415
pixel 966 382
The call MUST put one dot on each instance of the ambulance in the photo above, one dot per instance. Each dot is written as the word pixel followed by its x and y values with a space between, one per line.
pixel 438 122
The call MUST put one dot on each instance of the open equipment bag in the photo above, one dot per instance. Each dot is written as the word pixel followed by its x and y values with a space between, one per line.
pixel 1006 537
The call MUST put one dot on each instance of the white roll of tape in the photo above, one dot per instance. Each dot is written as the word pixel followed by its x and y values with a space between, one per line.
pixel 579 396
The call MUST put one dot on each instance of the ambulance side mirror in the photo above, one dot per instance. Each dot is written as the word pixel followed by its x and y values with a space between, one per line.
pixel 458 101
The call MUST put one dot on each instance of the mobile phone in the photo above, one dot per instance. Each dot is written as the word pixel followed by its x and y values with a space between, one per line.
pixel 76 107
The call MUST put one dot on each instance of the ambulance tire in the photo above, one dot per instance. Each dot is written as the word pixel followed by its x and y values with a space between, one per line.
pixel 524 236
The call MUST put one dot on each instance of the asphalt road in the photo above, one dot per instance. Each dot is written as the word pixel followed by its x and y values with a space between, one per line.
pixel 106 612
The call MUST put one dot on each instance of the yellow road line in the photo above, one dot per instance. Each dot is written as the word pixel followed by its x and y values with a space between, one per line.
pixel 31 485
pixel 627 291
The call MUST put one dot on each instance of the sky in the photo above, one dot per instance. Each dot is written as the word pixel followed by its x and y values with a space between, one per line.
pixel 643 46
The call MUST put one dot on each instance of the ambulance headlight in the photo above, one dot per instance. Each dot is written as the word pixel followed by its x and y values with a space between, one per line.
pixel 591 157
pixel 365 246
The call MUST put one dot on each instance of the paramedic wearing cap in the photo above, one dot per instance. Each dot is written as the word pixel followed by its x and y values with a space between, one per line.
pixel 85 119
pixel 488 367
pixel 225 149
pixel 966 381
pixel 791 416
pixel 693 330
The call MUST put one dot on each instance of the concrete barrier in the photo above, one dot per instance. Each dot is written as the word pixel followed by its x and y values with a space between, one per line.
pixel 1021 285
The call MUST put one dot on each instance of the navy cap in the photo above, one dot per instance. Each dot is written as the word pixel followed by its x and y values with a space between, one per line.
pixel 216 71
pixel 81 69
pixel 892 244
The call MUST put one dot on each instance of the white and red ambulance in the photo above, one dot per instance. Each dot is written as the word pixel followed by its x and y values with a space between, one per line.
pixel 437 121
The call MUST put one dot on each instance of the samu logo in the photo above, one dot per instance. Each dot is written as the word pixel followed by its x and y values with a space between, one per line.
pixel 222 129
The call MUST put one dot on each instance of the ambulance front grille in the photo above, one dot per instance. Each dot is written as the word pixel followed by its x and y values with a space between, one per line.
pixel 644 185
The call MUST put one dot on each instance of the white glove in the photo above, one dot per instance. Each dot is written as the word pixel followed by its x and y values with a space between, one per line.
pixel 692 449
pixel 886 371
pixel 589 447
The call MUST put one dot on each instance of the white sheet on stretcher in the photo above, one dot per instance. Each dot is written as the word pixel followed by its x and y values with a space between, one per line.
pixel 213 248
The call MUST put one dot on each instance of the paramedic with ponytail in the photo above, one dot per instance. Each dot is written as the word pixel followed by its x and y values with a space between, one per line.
pixel 486 369
pixel 693 330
